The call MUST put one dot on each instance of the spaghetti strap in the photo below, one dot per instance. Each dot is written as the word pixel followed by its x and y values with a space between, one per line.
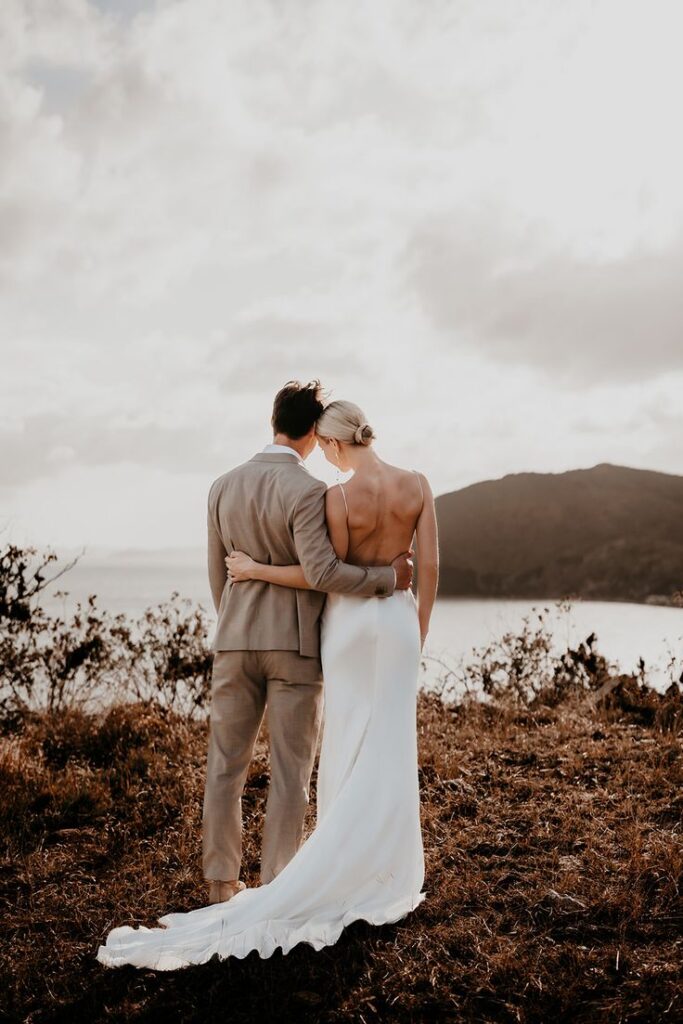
pixel 346 504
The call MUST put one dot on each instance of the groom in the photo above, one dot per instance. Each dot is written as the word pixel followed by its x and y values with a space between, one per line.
pixel 267 641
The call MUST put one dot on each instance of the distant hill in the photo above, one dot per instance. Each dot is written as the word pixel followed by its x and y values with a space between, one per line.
pixel 609 532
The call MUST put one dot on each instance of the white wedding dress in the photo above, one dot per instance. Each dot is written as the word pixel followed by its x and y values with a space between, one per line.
pixel 364 860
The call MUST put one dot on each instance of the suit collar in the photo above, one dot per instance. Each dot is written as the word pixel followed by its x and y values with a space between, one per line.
pixel 277 457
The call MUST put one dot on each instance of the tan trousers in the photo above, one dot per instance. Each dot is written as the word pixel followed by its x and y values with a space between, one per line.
pixel 244 684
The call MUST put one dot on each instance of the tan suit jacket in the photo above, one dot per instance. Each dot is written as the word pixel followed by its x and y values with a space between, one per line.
pixel 273 509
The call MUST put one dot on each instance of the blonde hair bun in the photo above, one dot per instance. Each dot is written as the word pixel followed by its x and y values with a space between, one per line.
pixel 345 422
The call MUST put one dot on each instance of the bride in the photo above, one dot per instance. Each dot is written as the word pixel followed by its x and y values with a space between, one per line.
pixel 364 859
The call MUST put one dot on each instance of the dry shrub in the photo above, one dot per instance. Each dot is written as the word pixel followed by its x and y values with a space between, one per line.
pixel 92 658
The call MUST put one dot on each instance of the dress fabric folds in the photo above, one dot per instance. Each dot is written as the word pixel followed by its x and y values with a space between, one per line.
pixel 364 860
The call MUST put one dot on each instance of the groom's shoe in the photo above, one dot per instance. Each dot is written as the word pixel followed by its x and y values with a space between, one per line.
pixel 221 892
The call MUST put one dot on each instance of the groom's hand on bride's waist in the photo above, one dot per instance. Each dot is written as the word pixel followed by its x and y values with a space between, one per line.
pixel 403 567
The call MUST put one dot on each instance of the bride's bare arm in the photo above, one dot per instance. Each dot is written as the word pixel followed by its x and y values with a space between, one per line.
pixel 241 567
pixel 427 543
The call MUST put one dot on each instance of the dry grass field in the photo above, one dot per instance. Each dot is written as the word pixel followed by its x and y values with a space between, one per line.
pixel 554 872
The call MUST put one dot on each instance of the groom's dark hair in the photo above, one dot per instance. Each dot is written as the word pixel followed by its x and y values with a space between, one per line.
pixel 296 408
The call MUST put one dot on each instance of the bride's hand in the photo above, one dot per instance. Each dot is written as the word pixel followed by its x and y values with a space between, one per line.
pixel 240 566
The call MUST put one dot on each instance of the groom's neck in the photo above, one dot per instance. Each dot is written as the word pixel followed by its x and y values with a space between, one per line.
pixel 299 446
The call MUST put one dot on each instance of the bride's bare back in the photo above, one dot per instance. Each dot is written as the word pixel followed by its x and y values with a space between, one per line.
pixel 381 510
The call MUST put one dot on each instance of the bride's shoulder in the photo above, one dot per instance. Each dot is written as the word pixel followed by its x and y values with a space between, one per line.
pixel 407 475
pixel 336 507
pixel 334 494
pixel 414 482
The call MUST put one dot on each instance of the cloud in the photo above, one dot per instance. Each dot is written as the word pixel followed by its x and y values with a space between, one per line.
pixel 263 350
pixel 508 291
pixel 43 446
pixel 447 212
pixel 123 8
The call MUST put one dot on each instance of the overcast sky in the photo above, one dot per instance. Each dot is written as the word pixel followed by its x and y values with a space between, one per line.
pixel 466 216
